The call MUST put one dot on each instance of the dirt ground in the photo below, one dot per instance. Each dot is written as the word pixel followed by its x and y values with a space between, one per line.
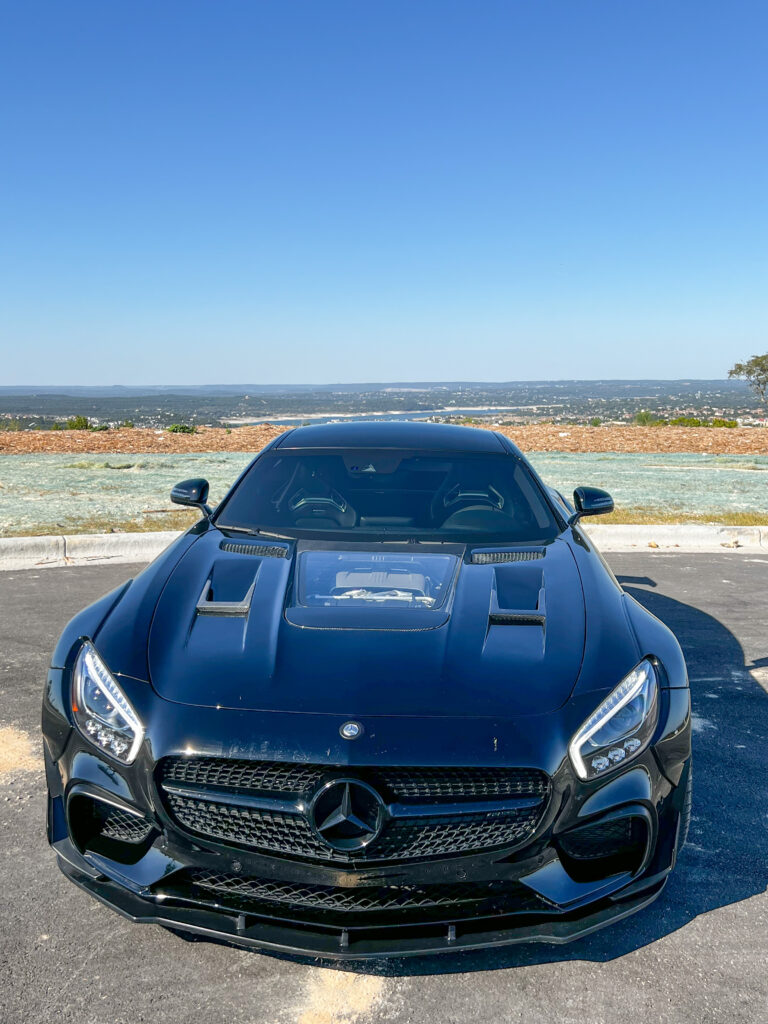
pixel 540 437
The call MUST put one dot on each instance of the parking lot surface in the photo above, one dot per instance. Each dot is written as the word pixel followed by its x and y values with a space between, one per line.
pixel 700 953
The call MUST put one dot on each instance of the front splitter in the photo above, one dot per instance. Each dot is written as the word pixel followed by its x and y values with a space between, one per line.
pixel 259 932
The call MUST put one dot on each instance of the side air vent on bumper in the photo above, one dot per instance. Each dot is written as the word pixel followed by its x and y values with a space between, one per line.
pixel 607 847
pixel 100 826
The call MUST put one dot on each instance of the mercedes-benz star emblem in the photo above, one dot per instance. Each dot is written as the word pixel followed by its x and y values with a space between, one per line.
pixel 351 730
pixel 346 814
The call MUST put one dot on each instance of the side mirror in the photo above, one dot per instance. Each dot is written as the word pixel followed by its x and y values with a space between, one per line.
pixel 590 501
pixel 192 492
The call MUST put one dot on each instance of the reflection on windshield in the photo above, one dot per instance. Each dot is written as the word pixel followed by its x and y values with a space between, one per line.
pixel 440 496
pixel 334 578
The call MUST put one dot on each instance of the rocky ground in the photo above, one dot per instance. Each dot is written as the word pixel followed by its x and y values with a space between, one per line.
pixel 540 437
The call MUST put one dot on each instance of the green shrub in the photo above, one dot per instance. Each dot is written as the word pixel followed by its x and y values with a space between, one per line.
pixel 181 428
pixel 78 423
pixel 687 421
pixel 127 423
pixel 595 421
pixel 718 422
pixel 647 419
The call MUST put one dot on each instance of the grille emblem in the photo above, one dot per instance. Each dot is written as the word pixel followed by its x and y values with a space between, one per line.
pixel 351 730
pixel 346 814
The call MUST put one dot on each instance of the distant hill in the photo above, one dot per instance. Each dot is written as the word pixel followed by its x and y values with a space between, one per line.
pixel 563 401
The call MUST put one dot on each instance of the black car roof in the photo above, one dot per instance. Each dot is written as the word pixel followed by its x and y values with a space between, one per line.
pixel 394 434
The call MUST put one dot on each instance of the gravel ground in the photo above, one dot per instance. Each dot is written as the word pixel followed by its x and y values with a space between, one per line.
pixel 539 437
pixel 697 955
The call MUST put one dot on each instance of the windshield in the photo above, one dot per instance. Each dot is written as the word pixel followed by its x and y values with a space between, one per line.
pixel 400 494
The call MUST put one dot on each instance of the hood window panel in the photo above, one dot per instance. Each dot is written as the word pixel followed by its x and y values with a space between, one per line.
pixel 349 579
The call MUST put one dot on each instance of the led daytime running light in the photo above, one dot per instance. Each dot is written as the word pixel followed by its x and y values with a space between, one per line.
pixel 115 729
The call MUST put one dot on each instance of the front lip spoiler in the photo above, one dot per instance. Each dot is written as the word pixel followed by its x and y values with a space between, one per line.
pixel 244 930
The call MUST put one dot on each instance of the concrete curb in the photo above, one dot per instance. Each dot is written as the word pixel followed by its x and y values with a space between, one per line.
pixel 82 549
pixel 99 548
pixel 683 537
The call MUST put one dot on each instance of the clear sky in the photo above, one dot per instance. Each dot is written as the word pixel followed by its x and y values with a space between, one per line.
pixel 277 191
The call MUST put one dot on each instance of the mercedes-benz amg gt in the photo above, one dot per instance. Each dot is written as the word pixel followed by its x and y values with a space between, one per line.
pixel 386 698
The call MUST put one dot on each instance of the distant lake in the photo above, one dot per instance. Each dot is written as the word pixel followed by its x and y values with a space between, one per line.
pixel 51 493
pixel 476 411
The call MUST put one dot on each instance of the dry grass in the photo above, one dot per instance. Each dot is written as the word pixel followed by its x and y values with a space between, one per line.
pixel 17 755
pixel 643 516
pixel 536 437
pixel 183 519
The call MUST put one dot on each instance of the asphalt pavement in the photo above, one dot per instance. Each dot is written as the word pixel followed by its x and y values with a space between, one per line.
pixel 699 954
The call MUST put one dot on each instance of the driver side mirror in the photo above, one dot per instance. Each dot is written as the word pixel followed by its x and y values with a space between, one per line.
pixel 590 501
pixel 192 492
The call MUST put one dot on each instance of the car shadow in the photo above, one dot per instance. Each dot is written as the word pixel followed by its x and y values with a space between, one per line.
pixel 726 857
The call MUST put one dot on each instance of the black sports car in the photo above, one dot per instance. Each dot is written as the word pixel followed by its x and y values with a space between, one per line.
pixel 386 699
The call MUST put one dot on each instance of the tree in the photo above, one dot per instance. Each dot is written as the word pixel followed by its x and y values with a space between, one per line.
pixel 755 373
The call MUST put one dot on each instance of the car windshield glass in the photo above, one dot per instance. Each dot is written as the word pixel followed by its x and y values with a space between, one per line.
pixel 361 494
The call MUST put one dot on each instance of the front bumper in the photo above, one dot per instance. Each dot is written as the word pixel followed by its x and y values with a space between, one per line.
pixel 530 892
pixel 548 903
pixel 438 937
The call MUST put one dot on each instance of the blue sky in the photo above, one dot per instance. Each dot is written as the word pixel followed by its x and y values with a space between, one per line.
pixel 272 191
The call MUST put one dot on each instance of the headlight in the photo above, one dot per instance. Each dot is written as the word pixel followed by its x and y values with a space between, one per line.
pixel 620 728
pixel 102 712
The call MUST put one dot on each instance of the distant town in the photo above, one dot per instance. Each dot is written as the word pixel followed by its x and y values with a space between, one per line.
pixel 597 403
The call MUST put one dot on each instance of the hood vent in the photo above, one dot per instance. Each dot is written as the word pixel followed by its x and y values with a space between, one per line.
pixel 260 550
pixel 502 618
pixel 206 605
pixel 495 557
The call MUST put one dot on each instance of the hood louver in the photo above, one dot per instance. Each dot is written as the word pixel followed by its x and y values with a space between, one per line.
pixel 496 557
pixel 260 550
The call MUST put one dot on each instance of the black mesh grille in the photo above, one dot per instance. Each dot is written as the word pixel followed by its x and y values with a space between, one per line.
pixel 292 835
pixel 287 832
pixel 463 783
pixel 605 839
pixel 127 828
pixel 364 899
pixel 265 776
pixel 495 557
pixel 262 550
pixel 401 783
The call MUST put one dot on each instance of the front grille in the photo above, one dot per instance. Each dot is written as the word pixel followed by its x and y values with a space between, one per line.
pixel 265 776
pixel 292 835
pixel 202 795
pixel 400 783
pixel 460 899
pixel 462 783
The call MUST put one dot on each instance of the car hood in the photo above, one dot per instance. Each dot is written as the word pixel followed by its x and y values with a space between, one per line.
pixel 244 627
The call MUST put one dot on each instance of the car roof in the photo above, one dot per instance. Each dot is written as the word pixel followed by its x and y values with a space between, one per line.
pixel 395 434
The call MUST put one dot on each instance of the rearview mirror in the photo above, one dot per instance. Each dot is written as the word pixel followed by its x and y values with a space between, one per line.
pixel 192 492
pixel 591 501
